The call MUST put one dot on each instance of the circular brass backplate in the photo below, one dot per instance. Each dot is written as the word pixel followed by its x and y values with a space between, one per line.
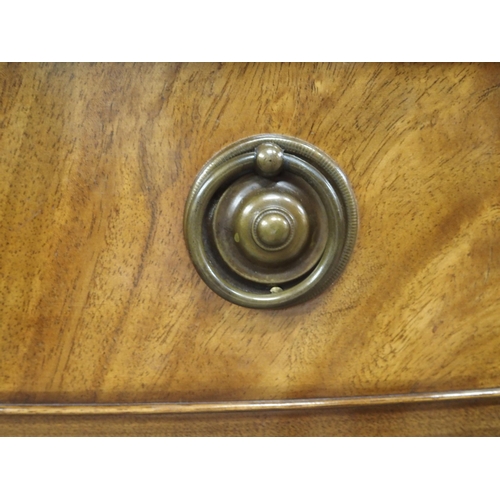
pixel 270 221
pixel 270 231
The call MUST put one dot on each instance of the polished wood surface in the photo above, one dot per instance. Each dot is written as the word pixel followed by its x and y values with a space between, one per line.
pixel 99 302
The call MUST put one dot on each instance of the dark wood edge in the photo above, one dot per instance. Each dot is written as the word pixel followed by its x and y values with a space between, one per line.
pixel 232 406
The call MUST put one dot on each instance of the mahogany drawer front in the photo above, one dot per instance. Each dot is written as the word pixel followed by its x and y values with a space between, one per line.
pixel 100 303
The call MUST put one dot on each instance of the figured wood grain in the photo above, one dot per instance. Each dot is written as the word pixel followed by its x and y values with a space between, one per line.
pixel 99 302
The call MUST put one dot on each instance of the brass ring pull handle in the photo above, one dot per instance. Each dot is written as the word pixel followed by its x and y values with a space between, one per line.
pixel 270 221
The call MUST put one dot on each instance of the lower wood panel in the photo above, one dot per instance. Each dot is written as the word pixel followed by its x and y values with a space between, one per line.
pixel 432 419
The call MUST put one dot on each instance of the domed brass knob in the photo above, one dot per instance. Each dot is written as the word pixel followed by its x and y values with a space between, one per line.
pixel 269 159
pixel 272 229
pixel 270 221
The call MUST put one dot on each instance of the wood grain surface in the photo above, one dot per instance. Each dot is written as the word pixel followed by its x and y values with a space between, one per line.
pixel 99 302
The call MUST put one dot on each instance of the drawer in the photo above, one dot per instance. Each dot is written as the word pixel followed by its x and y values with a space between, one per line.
pixel 103 313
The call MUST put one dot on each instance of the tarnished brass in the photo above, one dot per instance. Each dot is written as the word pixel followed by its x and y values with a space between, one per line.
pixel 270 221
pixel 269 159
pixel 279 228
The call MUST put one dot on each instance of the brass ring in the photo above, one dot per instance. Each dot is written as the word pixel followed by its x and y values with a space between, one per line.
pixel 300 159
